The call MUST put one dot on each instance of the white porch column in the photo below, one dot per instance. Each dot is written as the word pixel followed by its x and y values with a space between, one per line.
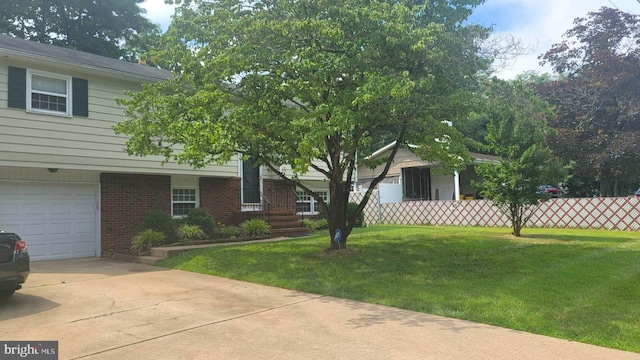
pixel 456 185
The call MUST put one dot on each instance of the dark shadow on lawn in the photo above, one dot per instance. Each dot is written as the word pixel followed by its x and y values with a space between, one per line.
pixel 596 238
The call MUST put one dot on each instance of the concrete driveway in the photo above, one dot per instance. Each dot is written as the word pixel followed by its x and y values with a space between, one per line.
pixel 102 309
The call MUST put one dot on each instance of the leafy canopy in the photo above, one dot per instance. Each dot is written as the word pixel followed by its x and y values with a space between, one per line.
pixel 517 134
pixel 111 28
pixel 308 84
pixel 597 101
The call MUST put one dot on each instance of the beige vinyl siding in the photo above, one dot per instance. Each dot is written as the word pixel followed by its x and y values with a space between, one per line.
pixel 316 185
pixel 81 143
pixel 311 175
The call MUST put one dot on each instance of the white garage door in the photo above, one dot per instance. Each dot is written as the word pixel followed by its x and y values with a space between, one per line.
pixel 57 221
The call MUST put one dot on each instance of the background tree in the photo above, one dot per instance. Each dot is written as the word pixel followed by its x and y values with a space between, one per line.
pixel 308 83
pixel 596 101
pixel 517 134
pixel 111 28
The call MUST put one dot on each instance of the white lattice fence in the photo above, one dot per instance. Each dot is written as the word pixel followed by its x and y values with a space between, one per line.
pixel 456 213
pixel 589 213
pixel 586 213
pixel 371 209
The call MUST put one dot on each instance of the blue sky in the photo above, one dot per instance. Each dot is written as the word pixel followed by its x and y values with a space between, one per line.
pixel 537 23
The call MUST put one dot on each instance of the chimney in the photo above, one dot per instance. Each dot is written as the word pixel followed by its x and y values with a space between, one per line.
pixel 142 62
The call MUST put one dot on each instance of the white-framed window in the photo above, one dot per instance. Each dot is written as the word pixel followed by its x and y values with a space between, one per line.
pixel 183 200
pixel 307 204
pixel 49 93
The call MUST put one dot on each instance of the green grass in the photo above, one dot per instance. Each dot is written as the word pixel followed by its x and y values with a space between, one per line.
pixel 582 285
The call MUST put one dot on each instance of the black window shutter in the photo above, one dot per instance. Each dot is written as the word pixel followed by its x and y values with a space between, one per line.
pixel 80 97
pixel 17 89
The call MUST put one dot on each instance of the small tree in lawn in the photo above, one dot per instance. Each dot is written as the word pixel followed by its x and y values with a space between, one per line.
pixel 517 134
pixel 309 83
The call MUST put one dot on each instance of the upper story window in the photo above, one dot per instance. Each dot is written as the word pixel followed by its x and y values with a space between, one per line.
pixel 48 93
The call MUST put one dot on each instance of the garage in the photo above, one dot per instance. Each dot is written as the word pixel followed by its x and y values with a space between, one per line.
pixel 57 220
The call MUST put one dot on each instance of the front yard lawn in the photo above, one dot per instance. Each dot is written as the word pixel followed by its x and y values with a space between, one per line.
pixel 582 285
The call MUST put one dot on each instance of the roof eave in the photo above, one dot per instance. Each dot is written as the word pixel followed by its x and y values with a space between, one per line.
pixel 83 66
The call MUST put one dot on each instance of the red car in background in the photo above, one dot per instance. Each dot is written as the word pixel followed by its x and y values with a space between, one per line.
pixel 548 189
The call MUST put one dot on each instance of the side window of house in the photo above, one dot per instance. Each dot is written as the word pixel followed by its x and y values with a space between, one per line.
pixel 48 93
pixel 307 204
pixel 183 200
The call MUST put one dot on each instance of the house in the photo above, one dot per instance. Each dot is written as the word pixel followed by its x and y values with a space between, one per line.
pixel 66 184
pixel 411 178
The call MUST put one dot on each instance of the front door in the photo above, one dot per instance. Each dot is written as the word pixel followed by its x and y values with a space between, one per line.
pixel 250 182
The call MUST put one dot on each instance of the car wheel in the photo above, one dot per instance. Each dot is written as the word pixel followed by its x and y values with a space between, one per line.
pixel 5 293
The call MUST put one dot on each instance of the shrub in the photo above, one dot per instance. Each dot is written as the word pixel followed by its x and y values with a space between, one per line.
pixel 322 224
pixel 190 232
pixel 145 240
pixel 321 215
pixel 162 222
pixel 315 225
pixel 203 219
pixel 359 220
pixel 228 231
pixel 255 227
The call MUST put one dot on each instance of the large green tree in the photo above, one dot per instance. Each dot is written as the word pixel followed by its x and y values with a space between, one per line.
pixel 518 134
pixel 112 28
pixel 596 101
pixel 308 83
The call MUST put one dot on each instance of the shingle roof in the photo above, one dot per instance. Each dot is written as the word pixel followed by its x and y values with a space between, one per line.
pixel 15 46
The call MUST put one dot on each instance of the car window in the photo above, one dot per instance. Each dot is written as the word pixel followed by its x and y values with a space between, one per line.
pixel 9 237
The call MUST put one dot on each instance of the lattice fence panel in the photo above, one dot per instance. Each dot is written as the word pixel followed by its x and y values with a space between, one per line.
pixel 371 209
pixel 585 213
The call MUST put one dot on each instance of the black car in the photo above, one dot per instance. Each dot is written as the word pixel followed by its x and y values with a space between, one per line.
pixel 14 263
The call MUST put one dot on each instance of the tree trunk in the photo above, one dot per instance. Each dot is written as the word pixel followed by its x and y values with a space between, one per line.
pixel 337 216
pixel 516 219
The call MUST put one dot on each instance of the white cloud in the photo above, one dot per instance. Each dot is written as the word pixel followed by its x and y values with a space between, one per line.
pixel 543 22
pixel 536 22
pixel 158 12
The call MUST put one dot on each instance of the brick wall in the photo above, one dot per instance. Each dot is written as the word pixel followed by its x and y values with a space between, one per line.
pixel 125 200
pixel 220 197
pixel 280 194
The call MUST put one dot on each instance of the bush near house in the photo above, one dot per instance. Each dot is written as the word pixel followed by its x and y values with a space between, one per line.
pixel 255 227
pixel 145 240
pixel 203 219
pixel 162 222
pixel 188 233
pixel 228 231
pixel 315 225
